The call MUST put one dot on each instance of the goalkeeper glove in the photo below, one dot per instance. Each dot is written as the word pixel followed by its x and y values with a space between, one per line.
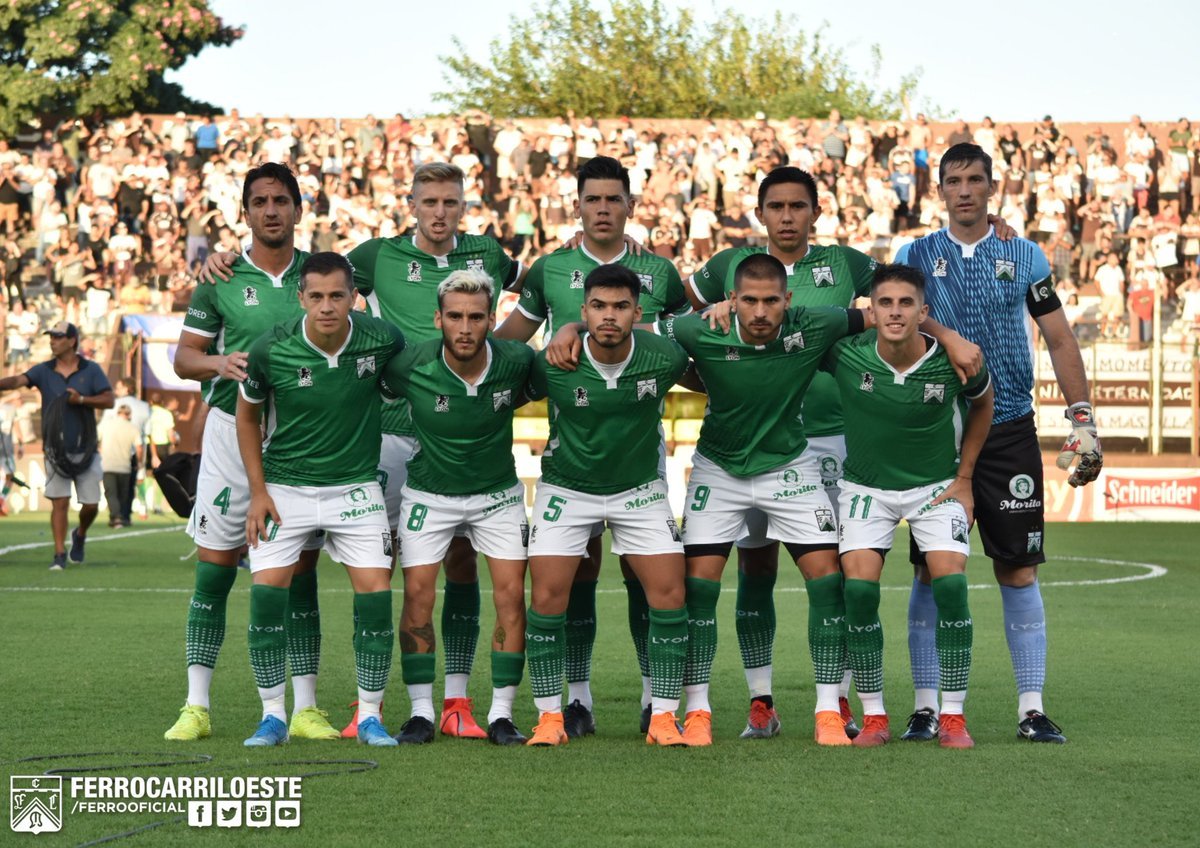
pixel 1083 443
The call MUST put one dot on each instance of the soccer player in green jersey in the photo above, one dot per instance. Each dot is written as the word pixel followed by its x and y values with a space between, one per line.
pixel 221 324
pixel 461 391
pixel 601 465
pixel 910 457
pixel 552 295
pixel 316 471
pixel 753 454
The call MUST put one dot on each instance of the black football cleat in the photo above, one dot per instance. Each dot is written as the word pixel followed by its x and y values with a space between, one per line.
pixel 645 723
pixel 578 720
pixel 503 732
pixel 1036 727
pixel 418 730
pixel 923 726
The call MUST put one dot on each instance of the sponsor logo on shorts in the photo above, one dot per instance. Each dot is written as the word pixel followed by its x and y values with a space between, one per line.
pixel 673 529
pixel 501 399
pixel 414 271
pixel 441 403
pixel 643 501
pixel 825 521
pixel 358 496
pixel 793 485
pixel 1007 505
pixel 203 525
pixel 822 276
pixel 793 342
pixel 831 468
pixel 1033 542
pixel 576 279
pixel 934 393
pixel 1006 270
pixel 940 266
pixel 647 387
pixel 365 365
pixel 357 512
pixel 1021 486
pixel 305 377
pixel 532 534
pixel 868 382
pixel 502 500
pixel 581 398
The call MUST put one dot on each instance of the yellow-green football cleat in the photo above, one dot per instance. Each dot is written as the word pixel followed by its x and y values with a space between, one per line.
pixel 191 725
pixel 312 723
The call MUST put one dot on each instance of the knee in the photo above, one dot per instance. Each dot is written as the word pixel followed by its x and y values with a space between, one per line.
pixel 668 597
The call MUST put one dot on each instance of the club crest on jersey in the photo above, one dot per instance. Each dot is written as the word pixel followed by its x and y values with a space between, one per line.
pixel 732 354
pixel 365 365
pixel 958 530
pixel 825 522
pixel 474 264
pixel 940 266
pixel 793 342
pixel 1006 270
pixel 250 295
pixel 868 382
pixel 647 387
pixel 935 393
pixel 823 276
pixel 414 271
pixel 647 283
pixel 305 375
pixel 441 403
pixel 581 398
pixel 501 399
pixel 576 279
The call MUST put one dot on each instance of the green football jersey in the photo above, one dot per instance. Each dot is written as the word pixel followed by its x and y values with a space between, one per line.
pixel 753 422
pixel 234 314
pixel 553 288
pixel 400 283
pixel 465 431
pixel 902 430
pixel 607 429
pixel 828 275
pixel 323 410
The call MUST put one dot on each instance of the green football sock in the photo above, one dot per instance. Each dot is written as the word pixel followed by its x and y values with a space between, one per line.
pixel 755 608
pixel 508 667
pixel 460 626
pixel 303 625
pixel 955 632
pixel 373 654
pixel 206 613
pixel 864 634
pixel 702 598
pixel 580 631
pixel 639 623
pixel 544 638
pixel 827 628
pixel 417 668
pixel 268 641
pixel 668 651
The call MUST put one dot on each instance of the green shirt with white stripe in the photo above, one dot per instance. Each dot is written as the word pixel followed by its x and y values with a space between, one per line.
pixel 323 409
pixel 465 431
pixel 606 420
pixel 234 314
pixel 902 429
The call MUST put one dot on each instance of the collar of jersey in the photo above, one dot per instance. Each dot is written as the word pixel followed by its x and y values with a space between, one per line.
pixel 621 366
pixel 738 332
pixel 277 282
pixel 791 269
pixel 441 261
pixel 330 358
pixel 472 388
pixel 968 250
pixel 598 261
pixel 898 377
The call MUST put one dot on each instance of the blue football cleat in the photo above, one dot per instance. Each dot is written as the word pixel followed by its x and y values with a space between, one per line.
pixel 372 732
pixel 271 731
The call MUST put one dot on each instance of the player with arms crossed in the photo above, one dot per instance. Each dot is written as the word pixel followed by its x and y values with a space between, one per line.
pixel 987 289
pixel 462 390
pixel 553 294
pixel 221 324
pixel 601 465
pixel 908 457
pixel 316 471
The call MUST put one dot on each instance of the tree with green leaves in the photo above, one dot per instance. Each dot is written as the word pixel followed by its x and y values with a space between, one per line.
pixel 643 59
pixel 80 57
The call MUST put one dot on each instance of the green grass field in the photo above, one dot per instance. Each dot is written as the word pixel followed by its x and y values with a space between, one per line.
pixel 92 664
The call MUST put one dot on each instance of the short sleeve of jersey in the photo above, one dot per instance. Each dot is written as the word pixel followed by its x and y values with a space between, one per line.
pixel 709 280
pixel 363 259
pixel 862 270
pixel 393 382
pixel 203 318
pixel 537 386
pixel 978 384
pixel 533 293
pixel 398 343
pixel 257 384
pixel 677 300
pixel 1041 299
pixel 684 330
pixel 833 356
pixel 902 254
pixel 504 268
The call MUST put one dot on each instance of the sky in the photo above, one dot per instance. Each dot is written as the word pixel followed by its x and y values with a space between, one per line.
pixel 1014 61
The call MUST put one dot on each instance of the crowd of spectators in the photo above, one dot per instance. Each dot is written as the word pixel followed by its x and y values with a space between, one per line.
pixel 117 215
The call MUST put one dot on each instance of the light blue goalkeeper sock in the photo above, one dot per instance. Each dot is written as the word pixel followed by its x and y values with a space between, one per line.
pixel 1025 629
pixel 922 645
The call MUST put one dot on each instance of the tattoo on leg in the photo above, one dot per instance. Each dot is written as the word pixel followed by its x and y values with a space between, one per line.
pixel 424 633
pixel 500 635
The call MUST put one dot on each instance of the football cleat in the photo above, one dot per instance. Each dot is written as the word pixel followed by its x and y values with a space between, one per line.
pixel 848 717
pixel 350 731
pixel 664 732
pixel 549 731
pixel 697 728
pixel 952 732
pixel 578 720
pixel 372 732
pixel 922 726
pixel 59 563
pixel 312 723
pixel 418 730
pixel 645 722
pixel 830 729
pixel 502 731
pixel 271 731
pixel 77 543
pixel 193 723
pixel 457 720
pixel 763 722
pixel 1036 727
pixel 874 732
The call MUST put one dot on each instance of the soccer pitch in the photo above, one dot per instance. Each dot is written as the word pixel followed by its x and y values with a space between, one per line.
pixel 93 673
